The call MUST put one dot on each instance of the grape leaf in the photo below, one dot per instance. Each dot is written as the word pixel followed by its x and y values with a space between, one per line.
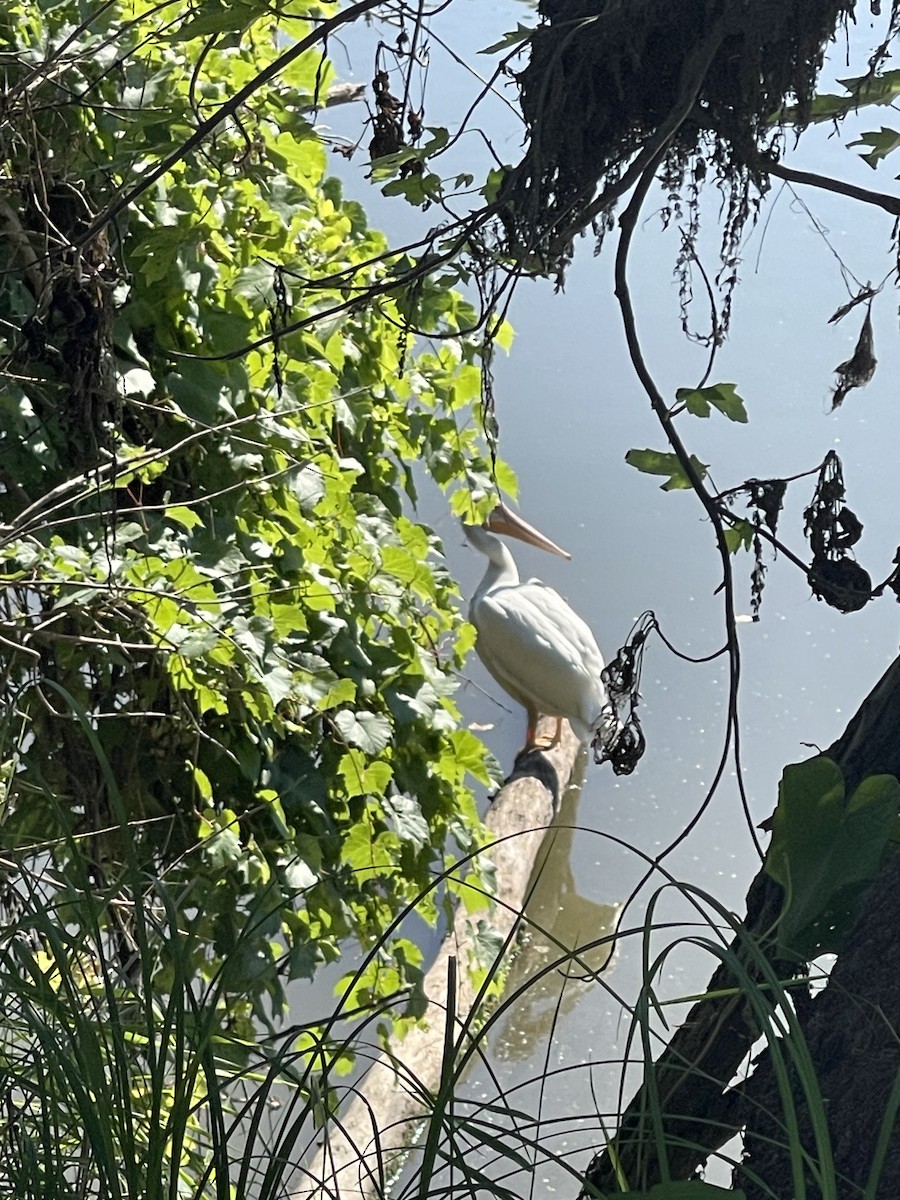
pixel 662 462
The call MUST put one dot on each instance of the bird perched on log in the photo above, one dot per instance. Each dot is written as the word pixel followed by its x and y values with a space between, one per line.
pixel 533 643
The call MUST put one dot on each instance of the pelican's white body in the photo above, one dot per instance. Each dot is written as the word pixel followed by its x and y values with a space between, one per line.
pixel 536 647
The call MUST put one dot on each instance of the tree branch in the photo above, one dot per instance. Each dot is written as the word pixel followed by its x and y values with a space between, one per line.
pixel 890 204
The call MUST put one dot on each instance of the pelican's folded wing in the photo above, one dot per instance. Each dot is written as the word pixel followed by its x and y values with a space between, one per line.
pixel 539 650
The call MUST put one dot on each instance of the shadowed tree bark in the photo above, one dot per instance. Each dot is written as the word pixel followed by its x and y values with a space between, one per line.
pixel 851 1029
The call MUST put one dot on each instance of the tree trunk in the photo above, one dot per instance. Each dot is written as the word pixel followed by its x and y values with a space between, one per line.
pixel 851 1030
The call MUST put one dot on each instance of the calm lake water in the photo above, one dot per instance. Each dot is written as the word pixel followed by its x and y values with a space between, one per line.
pixel 569 408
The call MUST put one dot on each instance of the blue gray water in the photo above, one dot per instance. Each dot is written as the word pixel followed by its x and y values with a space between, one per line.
pixel 569 408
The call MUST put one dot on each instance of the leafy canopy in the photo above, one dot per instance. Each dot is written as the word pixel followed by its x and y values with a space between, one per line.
pixel 219 624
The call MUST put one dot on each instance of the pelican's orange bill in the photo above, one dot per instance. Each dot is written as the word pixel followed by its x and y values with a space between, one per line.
pixel 507 523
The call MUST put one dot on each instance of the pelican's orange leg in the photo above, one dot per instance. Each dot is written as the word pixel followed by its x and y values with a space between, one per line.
pixel 537 743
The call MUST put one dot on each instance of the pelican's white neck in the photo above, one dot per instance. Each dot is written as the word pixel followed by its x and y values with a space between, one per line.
pixel 502 567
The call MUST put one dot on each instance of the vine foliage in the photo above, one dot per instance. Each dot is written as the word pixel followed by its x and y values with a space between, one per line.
pixel 218 624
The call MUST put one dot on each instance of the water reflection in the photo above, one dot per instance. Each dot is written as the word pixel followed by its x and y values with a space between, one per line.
pixel 560 926
pixel 569 409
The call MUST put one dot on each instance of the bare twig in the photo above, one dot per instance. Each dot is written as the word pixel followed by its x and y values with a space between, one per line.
pixel 890 204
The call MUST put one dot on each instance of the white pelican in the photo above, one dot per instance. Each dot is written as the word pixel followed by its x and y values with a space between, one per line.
pixel 534 645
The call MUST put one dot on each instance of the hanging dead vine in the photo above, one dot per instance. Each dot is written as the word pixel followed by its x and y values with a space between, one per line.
pixel 611 82
pixel 833 530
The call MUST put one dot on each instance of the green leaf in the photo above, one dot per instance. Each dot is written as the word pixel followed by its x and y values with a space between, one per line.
pixel 882 143
pixel 278 682
pixel 826 851
pixel 221 844
pixel 861 92
pixel 362 778
pixel 469 755
pixel 184 516
pixel 233 17
pixel 662 462
pixel 308 486
pixel 343 692
pixel 488 944
pixel 298 875
pixel 191 640
pixel 417 188
pixel 404 816
pixel 367 730
pixel 399 563
pixel 304 155
pixel 739 536
pixel 504 336
pixel 722 396
pixel 493 183
pixel 280 650
pixel 204 787
pixel 872 89
pixel 256 282
pixel 515 37
pixel 506 479
pixel 367 856
pixel 158 249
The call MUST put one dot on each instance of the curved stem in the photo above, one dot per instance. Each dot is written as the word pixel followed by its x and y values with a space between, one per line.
pixel 628 223
pixel 890 204
pixel 767 536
